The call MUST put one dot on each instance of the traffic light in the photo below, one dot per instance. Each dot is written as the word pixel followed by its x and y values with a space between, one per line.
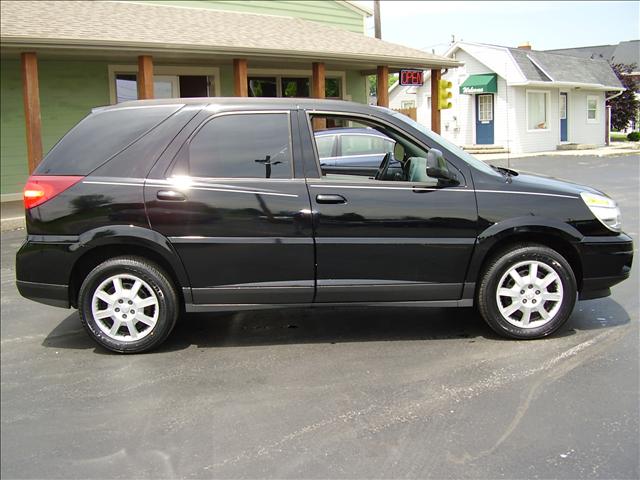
pixel 444 94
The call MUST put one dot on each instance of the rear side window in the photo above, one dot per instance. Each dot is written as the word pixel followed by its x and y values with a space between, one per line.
pixel 242 146
pixel 100 136
pixel 325 145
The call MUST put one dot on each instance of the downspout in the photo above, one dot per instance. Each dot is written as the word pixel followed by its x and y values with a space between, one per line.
pixel 607 109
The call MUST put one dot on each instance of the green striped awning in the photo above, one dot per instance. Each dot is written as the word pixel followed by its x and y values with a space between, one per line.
pixel 482 83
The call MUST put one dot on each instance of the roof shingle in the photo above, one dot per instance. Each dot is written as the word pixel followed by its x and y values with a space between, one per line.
pixel 117 24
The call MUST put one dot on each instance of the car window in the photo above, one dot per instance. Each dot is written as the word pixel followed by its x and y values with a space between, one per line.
pixel 363 144
pixel 100 136
pixel 242 146
pixel 372 152
pixel 325 145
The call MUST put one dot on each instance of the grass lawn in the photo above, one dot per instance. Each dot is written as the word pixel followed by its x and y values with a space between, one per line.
pixel 618 137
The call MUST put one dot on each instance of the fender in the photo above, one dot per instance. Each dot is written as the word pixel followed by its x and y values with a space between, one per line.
pixel 131 235
pixel 489 237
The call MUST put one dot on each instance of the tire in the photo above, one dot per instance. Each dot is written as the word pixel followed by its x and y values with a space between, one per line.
pixel 507 292
pixel 116 288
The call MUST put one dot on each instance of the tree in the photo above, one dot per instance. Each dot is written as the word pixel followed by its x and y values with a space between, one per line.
pixel 373 82
pixel 624 108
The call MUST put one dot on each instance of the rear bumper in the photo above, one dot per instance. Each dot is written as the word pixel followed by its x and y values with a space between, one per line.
pixel 606 261
pixel 47 293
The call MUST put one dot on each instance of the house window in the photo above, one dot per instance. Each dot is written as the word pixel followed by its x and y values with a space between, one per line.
pixel 300 86
pixel 164 86
pixel 537 118
pixel 408 104
pixel 592 109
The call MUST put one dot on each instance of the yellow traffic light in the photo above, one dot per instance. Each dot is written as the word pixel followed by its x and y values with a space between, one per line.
pixel 444 94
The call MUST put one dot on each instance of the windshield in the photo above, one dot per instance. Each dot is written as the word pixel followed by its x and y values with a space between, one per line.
pixel 474 162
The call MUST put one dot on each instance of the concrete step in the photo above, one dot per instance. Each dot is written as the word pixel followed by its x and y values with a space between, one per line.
pixel 485 149
pixel 576 146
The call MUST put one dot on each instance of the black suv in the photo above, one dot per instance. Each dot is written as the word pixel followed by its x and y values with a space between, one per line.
pixel 150 208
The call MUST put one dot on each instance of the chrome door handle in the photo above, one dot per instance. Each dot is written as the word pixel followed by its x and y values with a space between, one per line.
pixel 171 195
pixel 335 199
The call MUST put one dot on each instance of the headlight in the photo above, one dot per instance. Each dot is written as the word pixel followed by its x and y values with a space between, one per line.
pixel 604 209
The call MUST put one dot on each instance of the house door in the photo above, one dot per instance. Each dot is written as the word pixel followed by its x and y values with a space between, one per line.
pixel 563 117
pixel 484 119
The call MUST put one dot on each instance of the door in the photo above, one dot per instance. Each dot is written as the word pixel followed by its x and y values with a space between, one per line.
pixel 403 237
pixel 234 213
pixel 563 117
pixel 484 119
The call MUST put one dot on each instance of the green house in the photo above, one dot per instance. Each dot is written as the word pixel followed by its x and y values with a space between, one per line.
pixel 59 59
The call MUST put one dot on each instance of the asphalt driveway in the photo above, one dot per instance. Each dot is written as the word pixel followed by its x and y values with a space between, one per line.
pixel 351 393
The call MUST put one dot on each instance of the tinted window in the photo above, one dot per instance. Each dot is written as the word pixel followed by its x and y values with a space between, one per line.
pixel 99 137
pixel 242 146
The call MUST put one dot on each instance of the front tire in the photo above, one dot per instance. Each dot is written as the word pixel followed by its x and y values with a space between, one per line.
pixel 128 304
pixel 527 292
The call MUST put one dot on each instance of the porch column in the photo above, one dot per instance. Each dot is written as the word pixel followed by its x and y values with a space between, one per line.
pixel 317 80
pixel 145 77
pixel 318 91
pixel 435 100
pixel 382 86
pixel 31 97
pixel 240 77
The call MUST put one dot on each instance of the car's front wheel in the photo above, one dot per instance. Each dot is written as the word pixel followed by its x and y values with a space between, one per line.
pixel 128 304
pixel 528 291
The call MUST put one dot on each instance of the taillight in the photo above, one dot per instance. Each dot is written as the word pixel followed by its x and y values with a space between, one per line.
pixel 41 188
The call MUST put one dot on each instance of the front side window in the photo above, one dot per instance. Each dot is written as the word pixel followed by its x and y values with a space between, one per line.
pixel 372 152
pixel 592 109
pixel 537 111
pixel 242 146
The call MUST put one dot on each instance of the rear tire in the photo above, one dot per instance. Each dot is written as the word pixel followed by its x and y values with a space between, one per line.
pixel 527 292
pixel 128 304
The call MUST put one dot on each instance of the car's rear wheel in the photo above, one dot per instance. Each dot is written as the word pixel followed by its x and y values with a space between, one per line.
pixel 528 291
pixel 128 304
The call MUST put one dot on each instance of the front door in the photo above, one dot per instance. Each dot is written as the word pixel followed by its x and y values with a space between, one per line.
pixel 563 117
pixel 404 236
pixel 484 119
pixel 231 209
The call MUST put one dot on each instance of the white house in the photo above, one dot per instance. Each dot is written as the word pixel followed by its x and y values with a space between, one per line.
pixel 518 99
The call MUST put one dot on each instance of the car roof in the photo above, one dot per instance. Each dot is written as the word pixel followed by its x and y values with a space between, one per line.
pixel 248 102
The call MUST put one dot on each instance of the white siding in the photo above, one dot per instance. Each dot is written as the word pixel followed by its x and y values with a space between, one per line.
pixel 458 123
pixel 580 131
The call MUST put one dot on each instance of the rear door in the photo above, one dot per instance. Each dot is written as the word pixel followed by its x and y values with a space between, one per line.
pixel 231 207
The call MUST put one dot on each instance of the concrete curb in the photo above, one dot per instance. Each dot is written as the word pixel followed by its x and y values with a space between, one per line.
pixel 9 224
pixel 609 152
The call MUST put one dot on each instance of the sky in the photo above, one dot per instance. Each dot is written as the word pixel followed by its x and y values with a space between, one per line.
pixel 545 25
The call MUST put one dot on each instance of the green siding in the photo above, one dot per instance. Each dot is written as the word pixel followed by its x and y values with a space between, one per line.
pixel 68 92
pixel 322 11
pixel 226 81
pixel 13 149
pixel 357 87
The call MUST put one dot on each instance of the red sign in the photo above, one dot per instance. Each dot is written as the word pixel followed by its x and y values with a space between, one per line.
pixel 411 77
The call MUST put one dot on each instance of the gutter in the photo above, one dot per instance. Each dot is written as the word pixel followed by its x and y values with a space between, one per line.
pixel 149 47
pixel 606 99
pixel 592 86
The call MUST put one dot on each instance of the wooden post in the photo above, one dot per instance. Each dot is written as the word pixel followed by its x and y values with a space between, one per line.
pixel 145 77
pixel 318 91
pixel 317 80
pixel 382 86
pixel 31 97
pixel 240 87
pixel 435 111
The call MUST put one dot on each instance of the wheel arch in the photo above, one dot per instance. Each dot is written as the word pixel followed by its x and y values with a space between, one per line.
pixel 99 245
pixel 558 236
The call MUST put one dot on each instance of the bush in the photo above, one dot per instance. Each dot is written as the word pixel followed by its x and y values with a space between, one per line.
pixel 634 137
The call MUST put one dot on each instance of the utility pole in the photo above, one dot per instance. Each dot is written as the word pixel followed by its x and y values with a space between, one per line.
pixel 376 18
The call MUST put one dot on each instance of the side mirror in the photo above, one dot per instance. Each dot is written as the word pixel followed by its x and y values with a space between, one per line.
pixel 437 167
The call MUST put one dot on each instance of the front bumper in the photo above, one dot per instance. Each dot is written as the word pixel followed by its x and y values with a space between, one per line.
pixel 606 261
